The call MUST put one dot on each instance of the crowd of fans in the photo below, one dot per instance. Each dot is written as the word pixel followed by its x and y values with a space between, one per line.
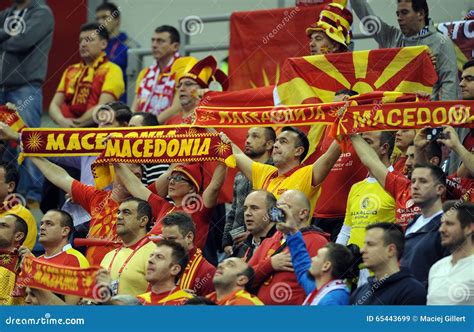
pixel 384 223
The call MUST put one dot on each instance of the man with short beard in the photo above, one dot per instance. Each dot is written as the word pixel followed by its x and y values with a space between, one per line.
pixel 230 280
pixel 258 147
pixel 450 280
pixel 165 266
pixel 13 232
pixel 403 139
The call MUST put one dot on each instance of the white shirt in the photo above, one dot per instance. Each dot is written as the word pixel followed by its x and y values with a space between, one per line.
pixel 420 223
pixel 450 284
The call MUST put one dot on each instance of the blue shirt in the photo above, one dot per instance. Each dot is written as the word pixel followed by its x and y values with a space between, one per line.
pixel 301 264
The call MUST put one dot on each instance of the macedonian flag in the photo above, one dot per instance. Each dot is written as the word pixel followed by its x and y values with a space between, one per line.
pixel 316 79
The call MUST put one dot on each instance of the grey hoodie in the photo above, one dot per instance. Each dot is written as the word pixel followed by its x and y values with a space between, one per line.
pixel 446 88
pixel 24 50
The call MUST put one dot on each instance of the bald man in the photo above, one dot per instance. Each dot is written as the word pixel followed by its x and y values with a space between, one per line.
pixel 274 276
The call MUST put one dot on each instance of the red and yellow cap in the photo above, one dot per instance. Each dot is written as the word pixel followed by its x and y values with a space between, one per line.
pixel 205 71
pixel 335 20
pixel 192 172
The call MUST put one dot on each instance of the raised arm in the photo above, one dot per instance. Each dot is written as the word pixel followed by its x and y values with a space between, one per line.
pixel 452 141
pixel 370 159
pixel 323 165
pixel 54 173
pixel 300 257
pixel 161 184
pixel 373 25
pixel 212 191
pixel 244 163
pixel 133 184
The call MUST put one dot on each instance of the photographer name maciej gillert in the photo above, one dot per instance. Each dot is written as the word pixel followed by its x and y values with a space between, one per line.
pixel 443 319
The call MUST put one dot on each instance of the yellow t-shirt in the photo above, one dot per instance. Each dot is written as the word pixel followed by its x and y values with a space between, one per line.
pixel 266 177
pixel 367 204
pixel 132 280
pixel 7 283
pixel 22 212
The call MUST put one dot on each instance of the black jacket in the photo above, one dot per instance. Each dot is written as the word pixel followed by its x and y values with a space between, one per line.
pixel 423 249
pixel 247 248
pixel 400 288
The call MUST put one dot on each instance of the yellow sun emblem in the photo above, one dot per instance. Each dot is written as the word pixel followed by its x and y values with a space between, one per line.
pixel 5 260
pixel 221 148
pixel 206 116
pixel 33 142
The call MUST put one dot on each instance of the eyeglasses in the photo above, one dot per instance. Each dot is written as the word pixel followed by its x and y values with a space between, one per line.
pixel 178 178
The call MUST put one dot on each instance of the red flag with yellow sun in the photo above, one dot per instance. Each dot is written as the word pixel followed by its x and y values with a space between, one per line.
pixel 316 79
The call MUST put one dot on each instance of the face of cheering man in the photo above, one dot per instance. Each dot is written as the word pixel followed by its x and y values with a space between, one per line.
pixel 229 274
pixel 10 236
pixel 51 232
pixel 161 267
pixel 179 185
pixel 111 21
pixel 128 221
pixel 257 143
pixel 173 233
pixel 425 189
pixel 6 187
pixel 320 263
pixel 410 21
pixel 256 212
pixel 453 234
pixel 320 43
pixel 286 149
pixel 375 252
pixel 91 45
pixel 410 163
pixel 161 45
pixel 373 139
pixel 404 138
pixel 188 94
pixel 467 83
pixel 30 297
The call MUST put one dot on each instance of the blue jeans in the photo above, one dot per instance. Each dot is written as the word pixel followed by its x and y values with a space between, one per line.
pixel 28 100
